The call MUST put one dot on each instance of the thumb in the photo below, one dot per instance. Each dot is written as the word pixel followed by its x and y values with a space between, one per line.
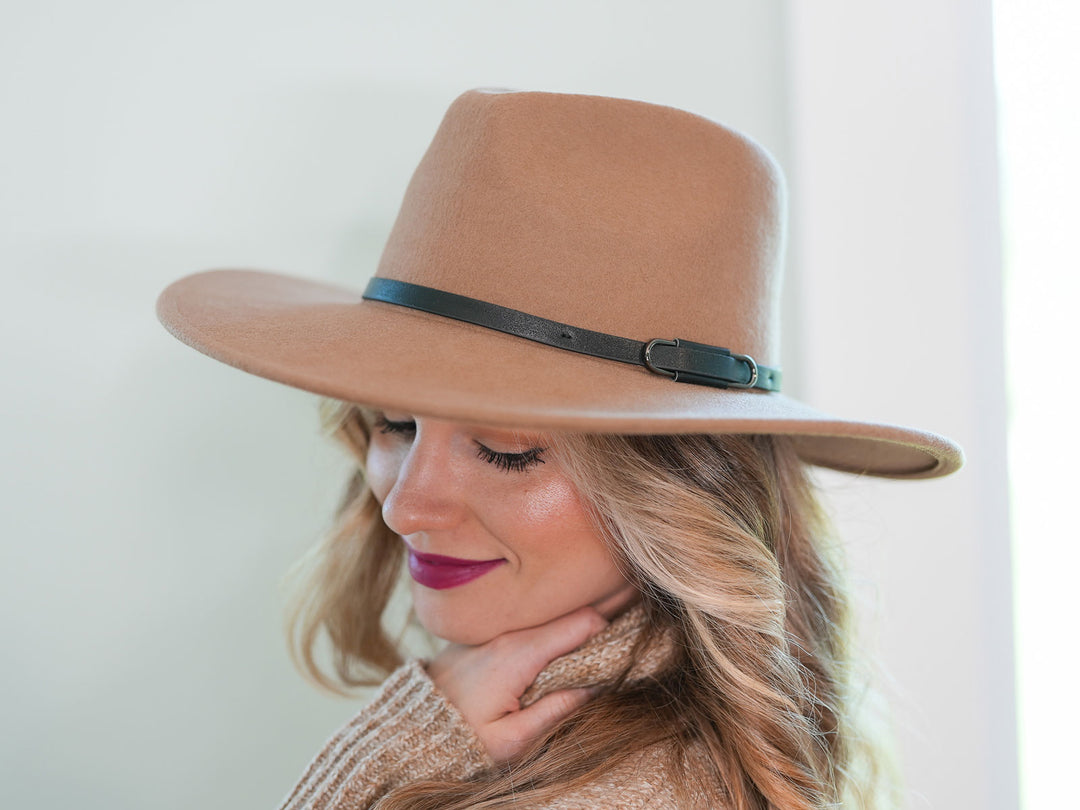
pixel 515 730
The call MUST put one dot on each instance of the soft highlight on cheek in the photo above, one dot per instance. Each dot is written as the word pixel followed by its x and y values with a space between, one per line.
pixel 548 501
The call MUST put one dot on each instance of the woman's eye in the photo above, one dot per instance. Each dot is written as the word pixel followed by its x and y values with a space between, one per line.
pixel 405 427
pixel 507 462
pixel 511 462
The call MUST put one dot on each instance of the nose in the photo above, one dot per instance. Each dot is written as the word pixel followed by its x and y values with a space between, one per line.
pixel 426 494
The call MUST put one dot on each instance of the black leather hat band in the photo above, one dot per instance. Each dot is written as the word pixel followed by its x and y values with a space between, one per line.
pixel 681 360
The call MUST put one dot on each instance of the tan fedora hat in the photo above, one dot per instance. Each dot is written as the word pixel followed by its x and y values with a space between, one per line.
pixel 560 262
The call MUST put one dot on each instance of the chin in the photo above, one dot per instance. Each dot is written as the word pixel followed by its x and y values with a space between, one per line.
pixel 444 622
pixel 450 629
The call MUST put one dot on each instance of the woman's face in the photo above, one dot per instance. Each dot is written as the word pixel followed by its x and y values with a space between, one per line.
pixel 497 537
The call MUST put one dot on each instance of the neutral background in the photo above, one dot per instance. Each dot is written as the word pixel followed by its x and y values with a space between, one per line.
pixel 152 499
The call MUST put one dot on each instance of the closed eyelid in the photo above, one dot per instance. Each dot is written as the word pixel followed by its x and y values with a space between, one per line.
pixel 507 461
pixel 511 462
pixel 503 438
pixel 384 425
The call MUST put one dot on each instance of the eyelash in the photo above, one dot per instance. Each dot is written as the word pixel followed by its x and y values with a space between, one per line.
pixel 511 462
pixel 507 462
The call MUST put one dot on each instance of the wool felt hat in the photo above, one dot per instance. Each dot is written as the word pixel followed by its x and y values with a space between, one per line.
pixel 560 262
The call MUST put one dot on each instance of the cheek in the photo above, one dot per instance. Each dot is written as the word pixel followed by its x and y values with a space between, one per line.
pixel 550 504
pixel 557 532
pixel 381 468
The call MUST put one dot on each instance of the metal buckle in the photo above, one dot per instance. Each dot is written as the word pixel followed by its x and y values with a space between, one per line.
pixel 724 383
pixel 663 372
pixel 753 371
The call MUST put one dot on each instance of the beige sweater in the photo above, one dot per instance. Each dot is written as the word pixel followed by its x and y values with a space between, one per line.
pixel 410 732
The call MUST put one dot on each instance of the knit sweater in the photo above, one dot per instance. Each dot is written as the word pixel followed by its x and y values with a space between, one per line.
pixel 411 732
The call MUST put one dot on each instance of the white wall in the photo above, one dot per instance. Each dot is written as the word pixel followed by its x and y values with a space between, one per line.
pixel 152 499
pixel 895 212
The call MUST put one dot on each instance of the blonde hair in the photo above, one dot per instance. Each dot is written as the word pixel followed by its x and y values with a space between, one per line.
pixel 725 540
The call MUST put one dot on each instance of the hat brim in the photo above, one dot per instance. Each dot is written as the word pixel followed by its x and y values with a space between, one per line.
pixel 328 340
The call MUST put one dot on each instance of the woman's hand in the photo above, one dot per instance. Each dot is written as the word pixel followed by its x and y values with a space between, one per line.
pixel 486 682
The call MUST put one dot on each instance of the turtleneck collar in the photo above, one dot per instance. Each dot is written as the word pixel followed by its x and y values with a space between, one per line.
pixel 602 658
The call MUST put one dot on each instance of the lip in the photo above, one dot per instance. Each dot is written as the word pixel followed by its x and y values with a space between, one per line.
pixel 439 572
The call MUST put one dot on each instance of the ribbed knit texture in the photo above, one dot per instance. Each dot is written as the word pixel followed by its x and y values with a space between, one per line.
pixel 410 732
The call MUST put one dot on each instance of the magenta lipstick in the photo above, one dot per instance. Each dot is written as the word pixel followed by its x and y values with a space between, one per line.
pixel 439 572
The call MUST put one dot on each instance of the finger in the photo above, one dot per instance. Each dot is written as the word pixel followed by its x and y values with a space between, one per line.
pixel 540 645
pixel 514 732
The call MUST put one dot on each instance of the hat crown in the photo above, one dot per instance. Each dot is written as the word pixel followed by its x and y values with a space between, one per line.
pixel 607 214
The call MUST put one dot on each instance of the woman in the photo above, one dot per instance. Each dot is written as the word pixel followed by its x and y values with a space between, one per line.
pixel 562 395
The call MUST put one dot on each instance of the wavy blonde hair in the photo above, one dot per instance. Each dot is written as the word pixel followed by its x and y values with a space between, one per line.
pixel 725 540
